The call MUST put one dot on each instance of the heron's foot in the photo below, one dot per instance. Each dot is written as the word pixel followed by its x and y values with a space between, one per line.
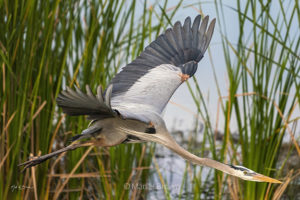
pixel 184 77
pixel 32 162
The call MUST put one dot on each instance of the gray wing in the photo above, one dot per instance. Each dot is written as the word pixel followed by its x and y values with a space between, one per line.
pixel 78 103
pixel 145 85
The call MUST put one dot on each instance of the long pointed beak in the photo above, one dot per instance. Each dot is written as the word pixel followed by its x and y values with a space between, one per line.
pixel 263 178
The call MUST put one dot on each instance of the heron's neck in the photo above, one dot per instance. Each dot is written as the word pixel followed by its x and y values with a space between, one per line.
pixel 164 138
pixel 168 141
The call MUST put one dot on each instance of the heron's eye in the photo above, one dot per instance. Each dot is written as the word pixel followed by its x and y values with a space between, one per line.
pixel 245 173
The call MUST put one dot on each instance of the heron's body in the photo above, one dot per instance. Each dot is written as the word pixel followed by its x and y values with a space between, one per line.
pixel 130 109
pixel 107 132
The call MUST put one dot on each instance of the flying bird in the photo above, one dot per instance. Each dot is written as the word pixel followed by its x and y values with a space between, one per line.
pixel 129 110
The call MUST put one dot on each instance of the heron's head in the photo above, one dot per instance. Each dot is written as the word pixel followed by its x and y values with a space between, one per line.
pixel 249 175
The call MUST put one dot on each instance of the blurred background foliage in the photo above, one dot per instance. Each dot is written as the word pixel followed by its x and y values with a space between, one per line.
pixel 47 45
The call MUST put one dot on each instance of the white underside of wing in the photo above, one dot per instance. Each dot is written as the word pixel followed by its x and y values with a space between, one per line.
pixel 151 92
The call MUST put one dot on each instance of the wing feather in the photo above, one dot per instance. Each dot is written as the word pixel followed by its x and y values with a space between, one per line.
pixel 187 34
pixel 195 29
pixel 150 80
pixel 178 35
pixel 78 103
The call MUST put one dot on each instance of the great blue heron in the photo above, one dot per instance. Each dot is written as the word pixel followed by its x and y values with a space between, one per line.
pixel 129 111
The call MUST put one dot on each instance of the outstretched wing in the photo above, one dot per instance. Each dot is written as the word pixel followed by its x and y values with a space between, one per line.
pixel 147 83
pixel 78 103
